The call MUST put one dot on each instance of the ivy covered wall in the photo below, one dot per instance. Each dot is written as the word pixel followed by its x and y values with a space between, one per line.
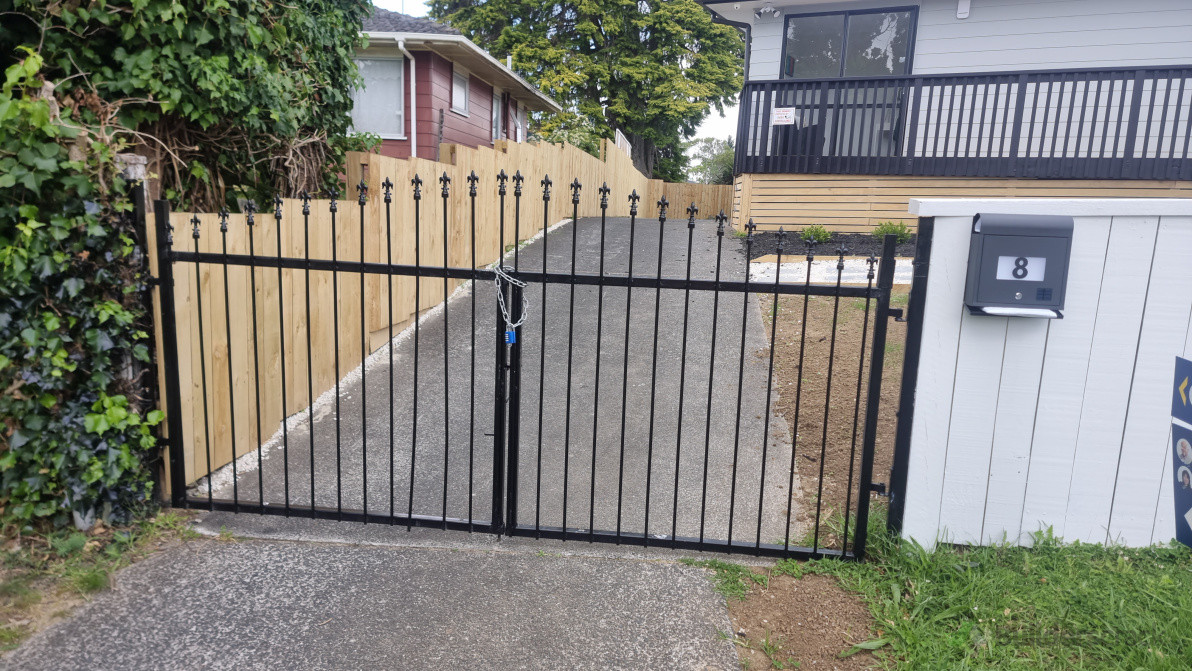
pixel 226 99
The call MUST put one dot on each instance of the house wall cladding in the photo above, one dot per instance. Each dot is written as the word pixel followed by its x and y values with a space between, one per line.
pixel 1018 35
pixel 1024 424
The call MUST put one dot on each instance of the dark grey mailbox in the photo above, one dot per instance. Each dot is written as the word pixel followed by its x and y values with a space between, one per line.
pixel 1018 265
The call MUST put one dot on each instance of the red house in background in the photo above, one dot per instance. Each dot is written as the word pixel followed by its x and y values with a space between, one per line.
pixel 425 83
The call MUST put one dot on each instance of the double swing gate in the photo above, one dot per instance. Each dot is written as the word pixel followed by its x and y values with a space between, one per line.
pixel 611 379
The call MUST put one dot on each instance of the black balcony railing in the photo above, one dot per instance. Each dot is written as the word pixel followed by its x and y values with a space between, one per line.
pixel 1076 124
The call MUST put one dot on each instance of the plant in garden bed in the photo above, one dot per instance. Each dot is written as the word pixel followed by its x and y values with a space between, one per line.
pixel 815 233
pixel 898 229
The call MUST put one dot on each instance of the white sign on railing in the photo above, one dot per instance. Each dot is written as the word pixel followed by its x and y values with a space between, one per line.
pixel 782 116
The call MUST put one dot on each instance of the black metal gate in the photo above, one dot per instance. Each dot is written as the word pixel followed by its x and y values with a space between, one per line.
pixel 614 381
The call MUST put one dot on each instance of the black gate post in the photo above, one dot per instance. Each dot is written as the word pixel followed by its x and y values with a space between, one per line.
pixel 500 405
pixel 885 281
pixel 910 375
pixel 513 403
pixel 172 391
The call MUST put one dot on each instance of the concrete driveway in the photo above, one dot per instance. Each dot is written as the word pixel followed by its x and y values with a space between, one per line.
pixel 281 605
pixel 580 439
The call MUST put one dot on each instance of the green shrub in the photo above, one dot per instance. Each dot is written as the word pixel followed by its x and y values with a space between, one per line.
pixel 896 228
pixel 815 233
pixel 72 318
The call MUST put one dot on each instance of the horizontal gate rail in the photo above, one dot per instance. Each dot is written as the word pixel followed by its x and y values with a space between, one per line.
pixel 636 281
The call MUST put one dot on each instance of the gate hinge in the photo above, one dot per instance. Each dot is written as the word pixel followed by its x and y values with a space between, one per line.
pixel 153 280
pixel 896 313
pixel 879 487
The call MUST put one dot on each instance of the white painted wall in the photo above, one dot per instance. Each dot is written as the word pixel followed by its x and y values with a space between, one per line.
pixel 1015 34
pixel 1024 424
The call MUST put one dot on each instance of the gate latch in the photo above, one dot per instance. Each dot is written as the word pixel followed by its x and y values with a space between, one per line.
pixel 879 487
pixel 896 313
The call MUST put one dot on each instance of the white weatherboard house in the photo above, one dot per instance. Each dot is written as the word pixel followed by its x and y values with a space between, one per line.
pixel 850 109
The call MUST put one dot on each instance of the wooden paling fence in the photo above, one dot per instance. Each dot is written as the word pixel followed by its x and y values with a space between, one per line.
pixel 244 331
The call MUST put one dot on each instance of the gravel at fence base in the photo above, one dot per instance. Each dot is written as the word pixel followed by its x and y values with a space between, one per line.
pixel 823 271
pixel 857 244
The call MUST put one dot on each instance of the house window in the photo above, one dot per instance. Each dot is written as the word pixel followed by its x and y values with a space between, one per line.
pixel 498 117
pixel 379 105
pixel 868 43
pixel 459 92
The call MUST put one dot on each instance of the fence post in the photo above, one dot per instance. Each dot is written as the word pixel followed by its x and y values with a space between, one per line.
pixel 172 390
pixel 910 376
pixel 885 281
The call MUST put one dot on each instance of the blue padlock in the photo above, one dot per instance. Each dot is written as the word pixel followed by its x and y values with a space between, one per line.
pixel 511 337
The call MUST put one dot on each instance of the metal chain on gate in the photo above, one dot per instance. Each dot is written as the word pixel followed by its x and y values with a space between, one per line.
pixel 500 275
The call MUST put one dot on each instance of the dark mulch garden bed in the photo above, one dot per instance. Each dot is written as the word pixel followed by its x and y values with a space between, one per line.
pixel 856 244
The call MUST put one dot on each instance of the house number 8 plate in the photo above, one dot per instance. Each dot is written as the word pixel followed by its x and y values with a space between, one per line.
pixel 1025 268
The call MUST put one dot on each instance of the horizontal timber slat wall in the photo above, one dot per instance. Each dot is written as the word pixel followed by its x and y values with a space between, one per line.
pixel 857 203
pixel 262 369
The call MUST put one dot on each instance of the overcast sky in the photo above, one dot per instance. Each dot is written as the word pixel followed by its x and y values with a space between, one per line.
pixel 713 126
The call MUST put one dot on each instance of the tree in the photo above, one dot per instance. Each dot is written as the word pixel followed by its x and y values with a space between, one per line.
pixel 714 161
pixel 225 97
pixel 650 68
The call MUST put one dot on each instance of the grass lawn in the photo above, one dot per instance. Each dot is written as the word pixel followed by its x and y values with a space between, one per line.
pixel 43 577
pixel 1052 606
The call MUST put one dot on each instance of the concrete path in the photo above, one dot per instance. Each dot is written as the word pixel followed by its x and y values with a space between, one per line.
pixel 628 436
pixel 276 605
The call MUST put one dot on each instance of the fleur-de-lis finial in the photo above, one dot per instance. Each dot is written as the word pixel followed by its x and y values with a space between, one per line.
pixel 387 186
pixel 546 184
pixel 446 182
pixel 872 261
pixel 781 240
pixel 250 209
pixel 194 222
pixel 518 180
pixel 333 194
pixel 692 210
pixel 575 187
pixel 417 184
pixel 720 219
pixel 502 178
pixel 810 242
pixel 604 191
pixel 749 228
pixel 277 208
pixel 223 220
pixel 361 192
pixel 663 203
pixel 633 198
pixel 305 202
pixel 472 180
pixel 841 250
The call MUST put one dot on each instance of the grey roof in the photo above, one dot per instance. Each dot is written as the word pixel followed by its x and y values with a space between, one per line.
pixel 385 21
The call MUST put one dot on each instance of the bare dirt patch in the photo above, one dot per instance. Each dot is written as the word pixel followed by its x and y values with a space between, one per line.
pixel 803 623
pixel 829 463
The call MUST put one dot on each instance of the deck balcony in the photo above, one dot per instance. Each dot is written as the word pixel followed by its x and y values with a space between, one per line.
pixel 1120 123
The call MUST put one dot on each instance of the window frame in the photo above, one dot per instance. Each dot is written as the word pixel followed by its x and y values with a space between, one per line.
pixel 465 110
pixel 401 93
pixel 498 114
pixel 848 13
